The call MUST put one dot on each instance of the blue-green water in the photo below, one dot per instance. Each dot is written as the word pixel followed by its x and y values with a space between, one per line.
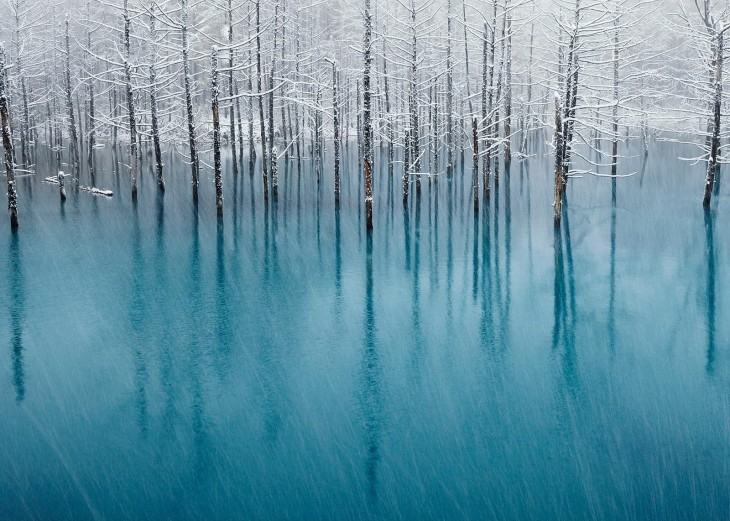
pixel 158 364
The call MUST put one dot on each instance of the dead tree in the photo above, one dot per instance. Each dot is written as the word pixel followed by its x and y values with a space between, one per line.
pixel 25 128
pixel 8 144
pixel 559 162
pixel 92 116
pixel 473 117
pixel 449 94
pixel 367 123
pixel 70 107
pixel 194 163
pixel 508 92
pixel 272 157
pixel 260 96
pixel 130 101
pixel 216 132
pixel 153 104
pixel 231 112
pixel 713 163
pixel 336 132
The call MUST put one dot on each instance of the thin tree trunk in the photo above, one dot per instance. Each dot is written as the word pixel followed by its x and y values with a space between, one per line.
pixel 251 144
pixel 231 111
pixel 528 117
pixel 261 102
pixel 367 125
pixel 712 165
pixel 508 95
pixel 336 131
pixel 559 164
pixel 240 126
pixel 70 106
pixel 194 163
pixel 8 145
pixel 216 133
pixel 414 134
pixel 25 127
pixel 388 116
pixel 130 102
pixel 153 107
pixel 449 95
pixel 614 150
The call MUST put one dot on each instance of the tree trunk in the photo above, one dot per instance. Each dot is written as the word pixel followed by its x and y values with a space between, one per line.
pixel 216 133
pixel 231 111
pixel 414 134
pixel 712 165
pixel 194 164
pixel 449 95
pixel 388 120
pixel 367 125
pixel 8 145
pixel 508 95
pixel 528 117
pixel 92 116
pixel 130 103
pixel 70 106
pixel 336 131
pixel 153 107
pixel 264 166
pixel 559 164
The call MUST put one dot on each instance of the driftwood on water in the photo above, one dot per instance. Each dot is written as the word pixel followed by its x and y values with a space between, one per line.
pixel 91 189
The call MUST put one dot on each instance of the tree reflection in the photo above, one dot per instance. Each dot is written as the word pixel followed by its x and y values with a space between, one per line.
pixel 371 393
pixel 563 335
pixel 711 297
pixel 16 283
pixel 612 281
pixel 138 316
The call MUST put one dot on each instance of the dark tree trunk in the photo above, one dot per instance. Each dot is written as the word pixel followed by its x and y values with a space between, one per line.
pixel 216 133
pixel 8 145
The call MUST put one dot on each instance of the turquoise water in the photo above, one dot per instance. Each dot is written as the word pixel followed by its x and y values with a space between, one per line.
pixel 156 363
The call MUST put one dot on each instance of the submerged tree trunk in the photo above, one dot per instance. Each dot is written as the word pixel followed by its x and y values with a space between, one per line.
pixel 70 106
pixel 153 108
pixel 264 165
pixel 231 111
pixel 473 116
pixel 92 116
pixel 130 103
pixel 61 185
pixel 239 120
pixel 508 95
pixel 528 109
pixel 487 101
pixel 251 144
pixel 216 133
pixel 614 149
pixel 414 134
pixel 559 164
pixel 272 158
pixel 389 120
pixel 449 95
pixel 713 164
pixel 367 125
pixel 336 131
pixel 25 126
pixel 194 164
pixel 8 144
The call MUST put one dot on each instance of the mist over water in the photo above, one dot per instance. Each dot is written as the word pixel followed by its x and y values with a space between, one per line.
pixel 159 363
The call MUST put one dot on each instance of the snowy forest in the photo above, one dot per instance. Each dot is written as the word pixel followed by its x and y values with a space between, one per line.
pixel 429 84
pixel 364 260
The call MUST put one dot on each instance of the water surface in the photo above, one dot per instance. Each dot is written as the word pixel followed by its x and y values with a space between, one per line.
pixel 157 363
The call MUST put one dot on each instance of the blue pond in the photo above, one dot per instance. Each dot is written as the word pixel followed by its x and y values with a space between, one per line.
pixel 157 363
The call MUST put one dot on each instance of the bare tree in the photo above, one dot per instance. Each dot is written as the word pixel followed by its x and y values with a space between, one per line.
pixel 8 144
